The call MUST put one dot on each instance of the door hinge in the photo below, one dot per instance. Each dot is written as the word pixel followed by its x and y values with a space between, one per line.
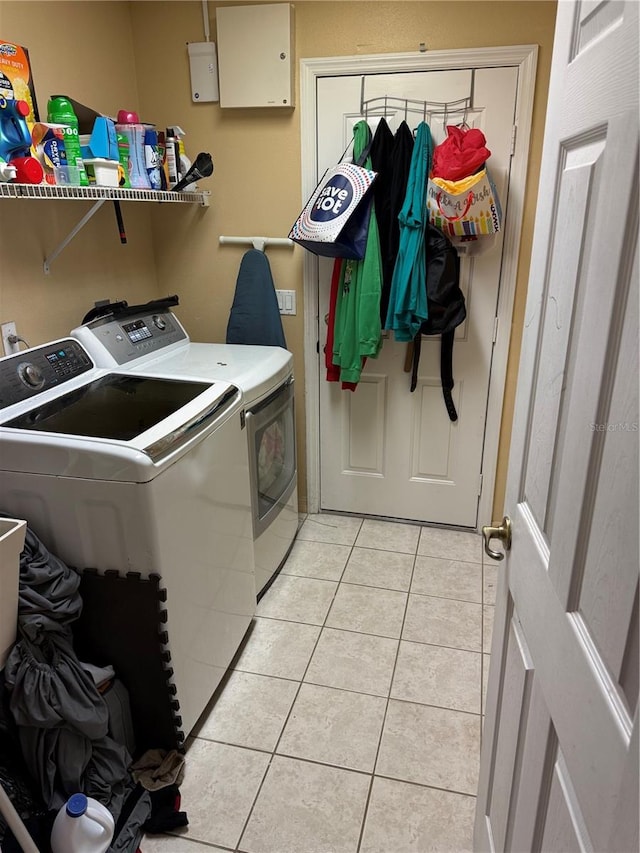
pixel 480 479
pixel 318 347
pixel 495 329
pixel 514 134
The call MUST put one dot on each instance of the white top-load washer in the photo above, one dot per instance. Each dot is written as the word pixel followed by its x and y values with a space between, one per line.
pixel 150 338
pixel 133 471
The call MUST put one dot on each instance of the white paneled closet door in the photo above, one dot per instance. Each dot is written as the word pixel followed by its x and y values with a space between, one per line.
pixel 386 451
pixel 559 768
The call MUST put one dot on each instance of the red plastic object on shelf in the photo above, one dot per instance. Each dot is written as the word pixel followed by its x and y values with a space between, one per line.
pixel 28 170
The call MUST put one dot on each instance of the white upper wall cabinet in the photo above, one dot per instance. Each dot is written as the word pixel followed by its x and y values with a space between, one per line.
pixel 256 55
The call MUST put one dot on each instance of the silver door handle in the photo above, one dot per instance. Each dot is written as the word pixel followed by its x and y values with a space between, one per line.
pixel 503 532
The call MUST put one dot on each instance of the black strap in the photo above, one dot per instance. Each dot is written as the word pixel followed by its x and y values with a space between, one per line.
pixel 446 369
pixel 364 154
pixel 446 372
pixel 417 343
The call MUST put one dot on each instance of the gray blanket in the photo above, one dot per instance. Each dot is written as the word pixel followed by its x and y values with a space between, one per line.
pixel 62 719
pixel 49 598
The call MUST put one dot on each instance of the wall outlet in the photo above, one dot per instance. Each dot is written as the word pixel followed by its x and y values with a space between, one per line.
pixel 9 329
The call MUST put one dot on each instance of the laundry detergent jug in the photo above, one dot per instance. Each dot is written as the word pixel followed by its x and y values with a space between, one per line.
pixel 83 825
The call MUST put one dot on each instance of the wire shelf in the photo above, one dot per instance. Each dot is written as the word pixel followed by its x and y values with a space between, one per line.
pixel 45 191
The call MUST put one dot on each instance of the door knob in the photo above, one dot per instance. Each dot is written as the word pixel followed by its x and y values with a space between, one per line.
pixel 502 532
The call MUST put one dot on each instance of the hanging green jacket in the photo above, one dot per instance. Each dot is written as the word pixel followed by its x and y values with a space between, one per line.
pixel 357 331
pixel 408 299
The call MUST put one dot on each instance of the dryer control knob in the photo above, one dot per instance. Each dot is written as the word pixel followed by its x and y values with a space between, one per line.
pixel 159 322
pixel 31 375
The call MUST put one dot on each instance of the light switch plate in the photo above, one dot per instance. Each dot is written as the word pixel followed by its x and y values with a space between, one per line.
pixel 286 301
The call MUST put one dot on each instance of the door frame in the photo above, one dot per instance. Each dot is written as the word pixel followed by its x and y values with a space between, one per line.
pixel 525 58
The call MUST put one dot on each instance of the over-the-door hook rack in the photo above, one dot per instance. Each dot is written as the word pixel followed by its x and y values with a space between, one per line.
pixel 259 243
pixel 382 104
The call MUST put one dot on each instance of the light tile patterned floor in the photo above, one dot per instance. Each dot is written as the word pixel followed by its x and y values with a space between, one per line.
pixel 351 719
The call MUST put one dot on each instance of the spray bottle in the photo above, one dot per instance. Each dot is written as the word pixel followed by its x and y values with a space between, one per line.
pixel 184 164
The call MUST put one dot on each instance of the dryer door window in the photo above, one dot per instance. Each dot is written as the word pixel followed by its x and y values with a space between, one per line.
pixel 273 454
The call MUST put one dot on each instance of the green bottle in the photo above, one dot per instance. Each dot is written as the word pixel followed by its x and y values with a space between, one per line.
pixel 123 166
pixel 60 111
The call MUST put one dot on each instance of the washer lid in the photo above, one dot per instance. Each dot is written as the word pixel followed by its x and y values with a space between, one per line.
pixel 116 427
pixel 116 406
pixel 157 343
pixel 256 370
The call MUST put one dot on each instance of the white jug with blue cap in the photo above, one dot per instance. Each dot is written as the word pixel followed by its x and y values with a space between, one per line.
pixel 83 825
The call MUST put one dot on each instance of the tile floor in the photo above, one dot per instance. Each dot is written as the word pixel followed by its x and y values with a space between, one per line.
pixel 351 719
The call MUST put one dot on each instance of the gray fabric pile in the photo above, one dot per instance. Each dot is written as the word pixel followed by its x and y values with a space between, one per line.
pixel 62 718
pixel 48 594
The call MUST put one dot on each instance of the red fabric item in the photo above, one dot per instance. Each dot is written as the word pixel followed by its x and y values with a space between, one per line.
pixel 333 370
pixel 461 154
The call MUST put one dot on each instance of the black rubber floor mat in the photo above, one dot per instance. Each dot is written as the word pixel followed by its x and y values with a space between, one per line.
pixel 122 624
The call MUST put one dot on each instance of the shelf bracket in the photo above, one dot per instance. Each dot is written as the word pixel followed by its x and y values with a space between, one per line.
pixel 51 258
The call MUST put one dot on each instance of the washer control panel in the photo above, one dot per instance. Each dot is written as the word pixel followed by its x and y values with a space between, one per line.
pixel 126 339
pixel 27 373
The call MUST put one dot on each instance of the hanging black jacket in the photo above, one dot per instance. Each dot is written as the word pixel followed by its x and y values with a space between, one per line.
pixel 391 158
pixel 446 307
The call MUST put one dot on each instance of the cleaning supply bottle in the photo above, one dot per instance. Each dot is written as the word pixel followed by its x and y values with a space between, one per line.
pixel 172 156
pixel 123 157
pixel 184 164
pixel 60 111
pixel 151 158
pixel 15 137
pixel 129 126
pixel 83 825
pixel 8 171
pixel 162 160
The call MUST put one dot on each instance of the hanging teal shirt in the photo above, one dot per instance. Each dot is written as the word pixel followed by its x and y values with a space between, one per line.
pixel 408 298
pixel 357 331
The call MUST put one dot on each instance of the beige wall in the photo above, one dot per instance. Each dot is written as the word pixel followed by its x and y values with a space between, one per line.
pixel 134 56
pixel 85 50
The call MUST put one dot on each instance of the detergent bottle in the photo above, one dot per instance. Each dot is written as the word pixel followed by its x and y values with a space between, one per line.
pixel 152 158
pixel 129 126
pixel 15 138
pixel 123 157
pixel 82 825
pixel 60 111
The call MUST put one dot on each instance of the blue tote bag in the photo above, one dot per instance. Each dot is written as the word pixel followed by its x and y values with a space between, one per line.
pixel 334 222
